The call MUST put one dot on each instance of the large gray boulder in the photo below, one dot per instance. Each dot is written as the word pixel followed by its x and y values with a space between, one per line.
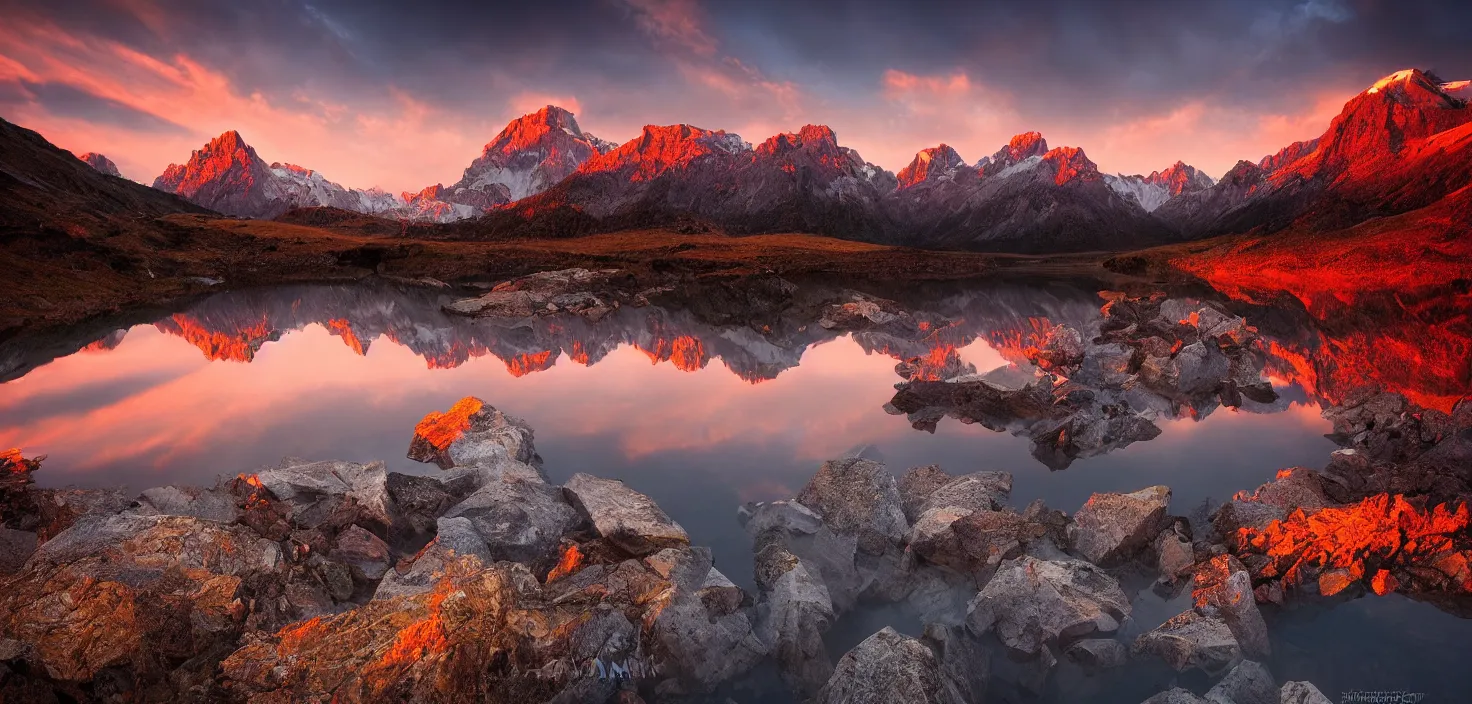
pixel 792 616
pixel 1031 603
pixel 315 490
pixel 1248 683
pixel 198 502
pixel 917 484
pixel 1192 640
pixel 703 640
pixel 888 668
pixel 519 520
pixel 625 517
pixel 1110 528
pixel 978 491
pixel 860 497
pixel 830 557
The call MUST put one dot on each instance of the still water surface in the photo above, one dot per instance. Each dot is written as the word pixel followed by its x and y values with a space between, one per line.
pixel 702 417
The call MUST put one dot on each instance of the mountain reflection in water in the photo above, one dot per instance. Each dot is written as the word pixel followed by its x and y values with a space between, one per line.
pixel 701 409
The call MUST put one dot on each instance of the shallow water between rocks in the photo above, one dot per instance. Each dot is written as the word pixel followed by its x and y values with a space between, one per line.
pixel 704 412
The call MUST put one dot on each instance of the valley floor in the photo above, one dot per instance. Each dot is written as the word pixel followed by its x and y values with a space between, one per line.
pixel 58 279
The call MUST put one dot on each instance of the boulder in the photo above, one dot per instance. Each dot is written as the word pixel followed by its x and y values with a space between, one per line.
pixel 917 484
pixel 472 432
pixel 1301 693
pixel 456 538
pixel 1223 586
pixel 1200 369
pixel 859 497
pixel 625 517
pixel 1248 683
pixel 59 509
pixel 362 551
pixel 830 558
pixel 792 616
pixel 1192 640
pixel 1095 654
pixel 964 660
pixel 138 593
pixel 330 491
pixel 1110 528
pixel 518 520
pixel 417 503
pixel 1031 603
pixel 1174 555
pixel 888 667
pixel 973 543
pixel 1240 513
pixel 978 491
pixel 703 645
pixel 210 504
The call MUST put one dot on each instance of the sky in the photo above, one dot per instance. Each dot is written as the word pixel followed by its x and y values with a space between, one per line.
pixel 404 95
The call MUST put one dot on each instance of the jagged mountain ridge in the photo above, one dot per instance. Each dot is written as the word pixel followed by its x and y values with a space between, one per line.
pixel 101 163
pixel 1401 144
pixel 543 176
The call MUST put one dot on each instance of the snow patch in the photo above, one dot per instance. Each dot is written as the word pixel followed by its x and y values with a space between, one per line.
pixel 1024 165
pixel 1149 195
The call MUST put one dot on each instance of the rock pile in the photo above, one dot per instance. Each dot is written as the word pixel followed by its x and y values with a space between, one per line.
pixel 1096 391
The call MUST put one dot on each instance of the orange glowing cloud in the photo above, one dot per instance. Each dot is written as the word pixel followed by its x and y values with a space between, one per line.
pixel 192 102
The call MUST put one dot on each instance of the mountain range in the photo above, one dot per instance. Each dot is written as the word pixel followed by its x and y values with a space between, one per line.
pixel 1400 145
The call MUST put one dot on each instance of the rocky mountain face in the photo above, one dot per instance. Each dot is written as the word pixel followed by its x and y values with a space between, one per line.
pixel 543 176
pixel 1400 145
pixel 933 164
pixel 1154 190
pixel 49 193
pixel 228 176
pixel 101 163
pixel 797 182
pixel 531 154
pixel 1026 198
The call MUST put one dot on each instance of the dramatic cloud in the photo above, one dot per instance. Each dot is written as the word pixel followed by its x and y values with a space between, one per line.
pixel 372 92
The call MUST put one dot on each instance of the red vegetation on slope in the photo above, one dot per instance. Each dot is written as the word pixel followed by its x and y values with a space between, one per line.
pixel 1382 536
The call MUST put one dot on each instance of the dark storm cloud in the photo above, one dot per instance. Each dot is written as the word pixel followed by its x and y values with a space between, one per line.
pixel 1117 57
pixel 1238 76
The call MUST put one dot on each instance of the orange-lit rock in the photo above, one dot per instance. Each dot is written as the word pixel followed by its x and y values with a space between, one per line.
pixel 571 561
pixel 471 432
pixel 1386 537
pixel 433 434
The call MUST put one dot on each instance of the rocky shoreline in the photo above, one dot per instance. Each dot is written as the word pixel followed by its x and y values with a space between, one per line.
pixel 312 581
